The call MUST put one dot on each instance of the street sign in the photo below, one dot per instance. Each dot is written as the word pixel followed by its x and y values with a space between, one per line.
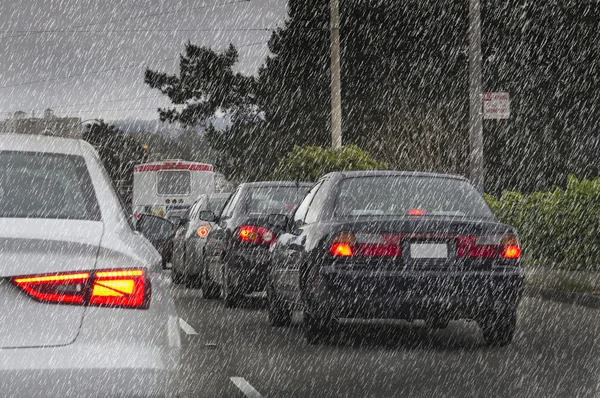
pixel 496 105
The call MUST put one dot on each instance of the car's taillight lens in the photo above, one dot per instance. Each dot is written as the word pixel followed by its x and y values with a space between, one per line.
pixel 510 247
pixel 257 235
pixel 203 231
pixel 366 245
pixel 110 288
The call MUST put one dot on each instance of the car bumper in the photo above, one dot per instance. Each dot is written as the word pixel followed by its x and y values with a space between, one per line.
pixel 248 270
pixel 80 370
pixel 413 294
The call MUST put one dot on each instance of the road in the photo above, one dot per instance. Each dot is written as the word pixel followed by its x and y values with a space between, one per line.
pixel 236 353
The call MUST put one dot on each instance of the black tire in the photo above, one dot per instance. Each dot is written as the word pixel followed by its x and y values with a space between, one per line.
pixel 279 314
pixel 176 277
pixel 318 329
pixel 210 290
pixel 498 328
pixel 193 281
pixel 230 296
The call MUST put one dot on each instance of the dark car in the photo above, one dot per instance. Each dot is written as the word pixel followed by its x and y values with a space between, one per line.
pixel 395 245
pixel 159 231
pixel 190 238
pixel 237 250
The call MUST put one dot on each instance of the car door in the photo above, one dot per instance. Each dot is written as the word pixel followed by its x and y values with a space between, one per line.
pixel 288 253
pixel 178 241
pixel 216 240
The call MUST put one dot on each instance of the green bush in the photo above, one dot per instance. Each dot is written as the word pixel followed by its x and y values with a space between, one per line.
pixel 308 163
pixel 559 227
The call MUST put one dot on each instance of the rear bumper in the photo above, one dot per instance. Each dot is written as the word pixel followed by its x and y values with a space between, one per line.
pixel 109 370
pixel 248 269
pixel 413 294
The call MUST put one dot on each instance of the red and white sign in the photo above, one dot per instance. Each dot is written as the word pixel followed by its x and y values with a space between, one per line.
pixel 496 105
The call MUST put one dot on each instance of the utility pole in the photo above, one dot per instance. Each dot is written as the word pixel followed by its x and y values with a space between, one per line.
pixel 336 85
pixel 475 95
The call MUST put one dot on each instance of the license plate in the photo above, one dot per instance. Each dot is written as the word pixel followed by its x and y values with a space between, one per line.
pixel 428 250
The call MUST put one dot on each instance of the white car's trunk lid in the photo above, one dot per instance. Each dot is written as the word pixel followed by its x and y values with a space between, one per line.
pixel 32 247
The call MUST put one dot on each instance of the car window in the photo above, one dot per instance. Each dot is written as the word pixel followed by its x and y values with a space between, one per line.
pixel 303 208
pixel 216 203
pixel 230 206
pixel 34 185
pixel 265 200
pixel 316 205
pixel 405 195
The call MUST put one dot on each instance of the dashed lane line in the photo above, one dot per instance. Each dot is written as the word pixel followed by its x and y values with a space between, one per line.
pixel 186 327
pixel 245 387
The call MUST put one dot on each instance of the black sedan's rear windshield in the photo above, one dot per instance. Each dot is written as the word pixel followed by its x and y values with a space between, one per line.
pixel 273 200
pixel 40 185
pixel 410 196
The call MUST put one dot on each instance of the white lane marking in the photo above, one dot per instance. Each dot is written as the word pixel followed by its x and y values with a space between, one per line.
pixel 245 387
pixel 186 327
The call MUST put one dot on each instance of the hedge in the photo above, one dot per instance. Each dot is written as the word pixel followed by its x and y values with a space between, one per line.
pixel 308 163
pixel 559 227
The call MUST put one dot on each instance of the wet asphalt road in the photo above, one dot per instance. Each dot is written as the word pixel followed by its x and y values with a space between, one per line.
pixel 556 353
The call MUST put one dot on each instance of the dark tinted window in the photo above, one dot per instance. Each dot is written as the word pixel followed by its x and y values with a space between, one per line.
pixel 273 200
pixel 400 196
pixel 173 182
pixel 37 185
pixel 216 203
pixel 154 228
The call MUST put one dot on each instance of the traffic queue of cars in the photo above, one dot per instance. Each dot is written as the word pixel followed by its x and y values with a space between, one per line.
pixel 363 245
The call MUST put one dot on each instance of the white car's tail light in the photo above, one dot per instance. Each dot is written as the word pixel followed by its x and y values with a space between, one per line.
pixel 128 288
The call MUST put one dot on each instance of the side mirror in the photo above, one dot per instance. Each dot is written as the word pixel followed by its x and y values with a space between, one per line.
pixel 207 215
pixel 155 228
pixel 279 221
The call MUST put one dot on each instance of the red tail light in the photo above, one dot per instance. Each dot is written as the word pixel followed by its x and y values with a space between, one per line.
pixel 366 245
pixel 510 247
pixel 110 288
pixel 257 235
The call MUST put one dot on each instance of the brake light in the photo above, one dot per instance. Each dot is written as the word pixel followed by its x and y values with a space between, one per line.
pixel 366 245
pixel 203 231
pixel 110 288
pixel 416 212
pixel 511 248
pixel 256 235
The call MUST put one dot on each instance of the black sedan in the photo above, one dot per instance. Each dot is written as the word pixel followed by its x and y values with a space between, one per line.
pixel 237 248
pixel 413 246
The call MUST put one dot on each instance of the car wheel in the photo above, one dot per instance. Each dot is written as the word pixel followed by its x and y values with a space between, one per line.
pixel 210 290
pixel 230 296
pixel 317 329
pixel 193 281
pixel 279 314
pixel 498 328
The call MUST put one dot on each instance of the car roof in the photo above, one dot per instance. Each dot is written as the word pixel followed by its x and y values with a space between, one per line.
pixel 392 173
pixel 276 184
pixel 40 144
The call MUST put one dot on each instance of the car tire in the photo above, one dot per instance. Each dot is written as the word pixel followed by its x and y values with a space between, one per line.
pixel 193 281
pixel 498 328
pixel 317 329
pixel 279 314
pixel 210 290
pixel 230 296
pixel 176 277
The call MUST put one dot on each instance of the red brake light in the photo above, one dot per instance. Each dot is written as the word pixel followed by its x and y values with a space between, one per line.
pixel 111 288
pixel 257 235
pixel 511 248
pixel 62 288
pixel 341 250
pixel 416 212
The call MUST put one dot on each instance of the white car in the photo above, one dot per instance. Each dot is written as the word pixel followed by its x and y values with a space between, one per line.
pixel 86 310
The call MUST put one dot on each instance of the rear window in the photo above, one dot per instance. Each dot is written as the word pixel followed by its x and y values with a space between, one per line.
pixel 273 200
pixel 173 182
pixel 37 185
pixel 404 196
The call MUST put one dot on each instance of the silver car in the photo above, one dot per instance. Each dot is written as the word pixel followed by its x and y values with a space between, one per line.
pixel 188 244
pixel 86 310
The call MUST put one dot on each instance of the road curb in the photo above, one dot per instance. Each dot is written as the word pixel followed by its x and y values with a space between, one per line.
pixel 581 299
